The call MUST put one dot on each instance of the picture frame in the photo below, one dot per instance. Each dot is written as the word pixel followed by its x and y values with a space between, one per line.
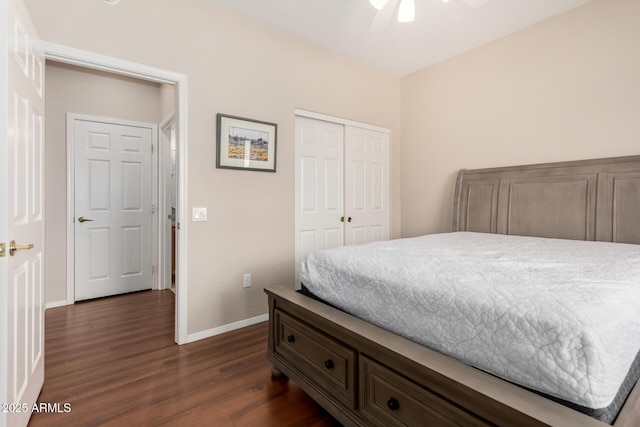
pixel 245 144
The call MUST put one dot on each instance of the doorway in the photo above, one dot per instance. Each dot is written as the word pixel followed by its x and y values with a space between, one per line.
pixel 91 61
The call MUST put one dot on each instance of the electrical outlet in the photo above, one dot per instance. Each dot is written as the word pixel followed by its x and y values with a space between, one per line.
pixel 246 280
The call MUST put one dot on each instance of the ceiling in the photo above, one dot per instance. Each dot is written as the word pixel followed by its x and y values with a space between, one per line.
pixel 440 31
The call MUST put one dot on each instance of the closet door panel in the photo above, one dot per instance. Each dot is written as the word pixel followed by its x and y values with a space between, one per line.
pixel 367 185
pixel 319 187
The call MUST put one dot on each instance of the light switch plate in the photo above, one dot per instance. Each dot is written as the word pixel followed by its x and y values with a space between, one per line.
pixel 199 214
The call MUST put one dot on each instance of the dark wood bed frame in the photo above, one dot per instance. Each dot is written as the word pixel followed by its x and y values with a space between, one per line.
pixel 364 375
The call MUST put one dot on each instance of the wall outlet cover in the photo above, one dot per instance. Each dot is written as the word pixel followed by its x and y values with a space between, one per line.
pixel 246 280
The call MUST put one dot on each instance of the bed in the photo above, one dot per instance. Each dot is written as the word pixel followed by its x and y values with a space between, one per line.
pixel 364 374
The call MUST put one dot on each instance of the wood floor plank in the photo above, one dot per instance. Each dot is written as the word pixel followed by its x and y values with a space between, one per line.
pixel 115 362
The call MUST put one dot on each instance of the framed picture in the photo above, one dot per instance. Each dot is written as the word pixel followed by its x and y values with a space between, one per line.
pixel 246 144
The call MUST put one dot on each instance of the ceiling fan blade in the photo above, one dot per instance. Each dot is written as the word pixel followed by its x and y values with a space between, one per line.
pixel 475 3
pixel 406 11
pixel 378 4
pixel 383 16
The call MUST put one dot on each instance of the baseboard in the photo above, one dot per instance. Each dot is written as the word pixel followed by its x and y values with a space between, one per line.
pixel 55 304
pixel 227 328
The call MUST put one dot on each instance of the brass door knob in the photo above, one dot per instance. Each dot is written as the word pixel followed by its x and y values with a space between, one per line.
pixel 13 247
pixel 83 219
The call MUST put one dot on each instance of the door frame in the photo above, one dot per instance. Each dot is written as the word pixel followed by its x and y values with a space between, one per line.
pixel 341 121
pixel 71 197
pixel 164 210
pixel 86 59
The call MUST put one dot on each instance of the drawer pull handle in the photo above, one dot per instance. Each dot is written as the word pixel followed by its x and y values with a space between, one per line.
pixel 291 338
pixel 393 404
pixel 328 364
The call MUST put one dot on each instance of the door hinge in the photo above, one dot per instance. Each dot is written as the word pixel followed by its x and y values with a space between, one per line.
pixel 151 148
pixel 153 209
pixel 153 269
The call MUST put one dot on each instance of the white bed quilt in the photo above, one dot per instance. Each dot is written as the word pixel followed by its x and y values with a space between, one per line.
pixel 558 316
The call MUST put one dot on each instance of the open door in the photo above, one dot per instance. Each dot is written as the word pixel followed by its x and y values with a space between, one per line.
pixel 21 215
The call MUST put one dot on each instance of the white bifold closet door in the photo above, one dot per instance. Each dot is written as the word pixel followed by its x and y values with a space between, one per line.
pixel 342 186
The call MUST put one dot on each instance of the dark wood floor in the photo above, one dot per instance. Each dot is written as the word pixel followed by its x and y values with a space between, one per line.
pixel 115 362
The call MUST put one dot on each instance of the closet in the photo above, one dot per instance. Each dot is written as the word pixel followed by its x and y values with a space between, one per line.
pixel 342 184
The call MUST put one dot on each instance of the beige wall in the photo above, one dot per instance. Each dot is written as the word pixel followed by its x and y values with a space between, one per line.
pixel 74 90
pixel 238 67
pixel 565 89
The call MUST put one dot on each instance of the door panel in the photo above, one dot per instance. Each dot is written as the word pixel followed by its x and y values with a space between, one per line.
pixel 319 187
pixel 99 182
pixel 357 184
pixel 19 160
pixel 132 252
pixel 367 189
pixel 22 214
pixel 100 248
pixel 113 190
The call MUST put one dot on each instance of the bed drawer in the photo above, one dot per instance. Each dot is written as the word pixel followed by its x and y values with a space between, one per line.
pixel 325 361
pixel 388 398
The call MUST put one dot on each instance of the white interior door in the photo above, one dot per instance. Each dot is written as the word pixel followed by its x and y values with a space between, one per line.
pixel 113 206
pixel 367 185
pixel 319 187
pixel 21 215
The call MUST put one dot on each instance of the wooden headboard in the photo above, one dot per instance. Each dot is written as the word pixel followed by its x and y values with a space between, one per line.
pixel 581 200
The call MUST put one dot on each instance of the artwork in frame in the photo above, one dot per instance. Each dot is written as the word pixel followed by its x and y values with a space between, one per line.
pixel 246 144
